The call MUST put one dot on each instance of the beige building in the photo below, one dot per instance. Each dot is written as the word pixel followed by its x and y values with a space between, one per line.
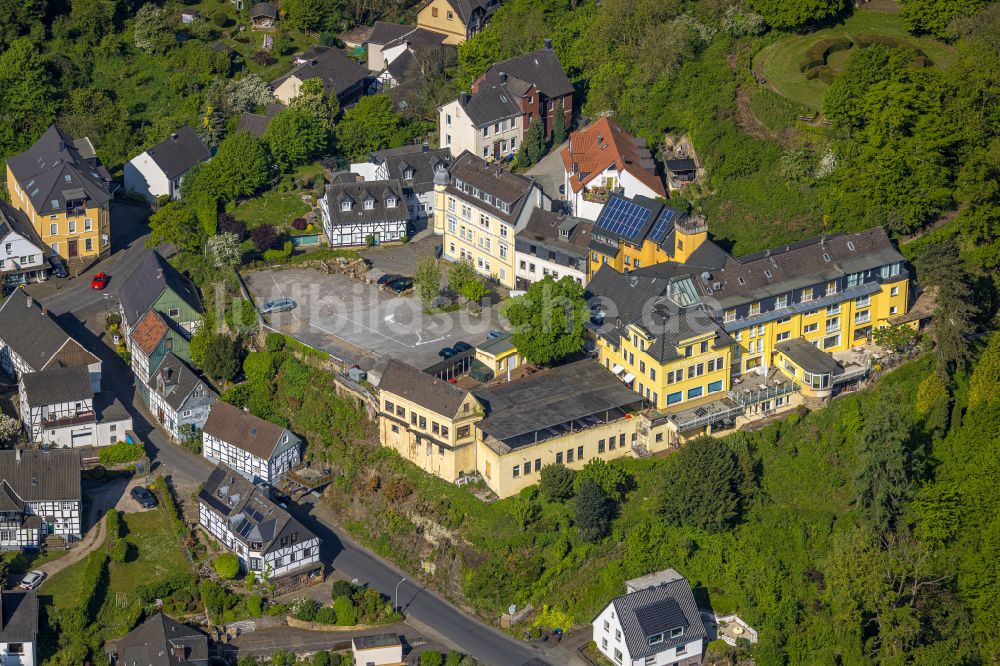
pixel 457 20
pixel 428 421
pixel 479 208
pixel 377 650
pixel 487 123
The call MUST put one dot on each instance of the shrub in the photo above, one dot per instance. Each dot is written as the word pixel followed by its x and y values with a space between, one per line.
pixel 818 53
pixel 228 224
pixel 264 237
pixel 120 453
pixel 556 482
pixel 119 550
pixel 325 615
pixel 279 256
pixel 304 609
pixel 254 606
pixel 432 658
pixel 342 588
pixel 148 592
pixel 299 224
pixel 227 566
pixel 347 615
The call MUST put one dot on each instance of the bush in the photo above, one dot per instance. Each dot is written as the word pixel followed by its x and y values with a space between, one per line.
pixel 818 53
pixel 342 588
pixel 254 606
pixel 433 658
pixel 149 592
pixel 228 224
pixel 556 482
pixel 120 453
pixel 325 615
pixel 220 18
pixel 299 224
pixel 279 256
pixel 304 609
pixel 227 566
pixel 119 550
pixel 347 615
pixel 274 342
pixel 264 237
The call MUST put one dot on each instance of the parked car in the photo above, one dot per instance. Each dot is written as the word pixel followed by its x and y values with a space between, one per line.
pixel 386 278
pixel 146 499
pixel 446 353
pixel 401 285
pixel 32 579
pixel 58 267
pixel 493 334
pixel 100 281
pixel 278 305
pixel 461 347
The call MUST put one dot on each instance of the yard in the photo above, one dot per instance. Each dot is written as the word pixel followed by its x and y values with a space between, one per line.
pixel 283 203
pixel 779 63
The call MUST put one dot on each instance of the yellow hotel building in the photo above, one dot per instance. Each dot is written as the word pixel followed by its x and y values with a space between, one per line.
pixel 66 193
pixel 479 208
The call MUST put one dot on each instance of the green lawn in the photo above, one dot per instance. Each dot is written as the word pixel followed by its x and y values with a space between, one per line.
pixel 272 207
pixel 22 561
pixel 779 63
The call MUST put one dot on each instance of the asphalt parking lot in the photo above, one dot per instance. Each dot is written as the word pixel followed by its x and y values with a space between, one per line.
pixel 358 323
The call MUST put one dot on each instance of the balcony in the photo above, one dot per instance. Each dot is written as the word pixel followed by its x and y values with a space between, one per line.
pixel 65 421
pixel 600 194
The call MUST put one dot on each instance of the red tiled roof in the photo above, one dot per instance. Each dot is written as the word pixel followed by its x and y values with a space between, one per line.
pixel 616 146
pixel 149 331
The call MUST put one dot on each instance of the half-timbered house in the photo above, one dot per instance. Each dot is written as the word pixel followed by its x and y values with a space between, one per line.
pixel 257 449
pixel 366 213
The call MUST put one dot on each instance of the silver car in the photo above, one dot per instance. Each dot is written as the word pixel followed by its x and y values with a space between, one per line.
pixel 278 305
pixel 32 579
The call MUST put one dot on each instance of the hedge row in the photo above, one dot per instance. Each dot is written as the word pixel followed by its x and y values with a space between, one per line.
pixel 120 453
pixel 866 41
pixel 149 592
pixel 823 73
pixel 117 546
pixel 818 53
pixel 170 505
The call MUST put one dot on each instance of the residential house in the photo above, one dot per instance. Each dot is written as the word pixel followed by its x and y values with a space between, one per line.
pixel 414 167
pixel 159 171
pixel 58 406
pixel 377 650
pixel 266 539
pixel 18 628
pixel 656 623
pixel 356 213
pixel 388 41
pixel 263 15
pixel 257 123
pixel 22 255
pixel 427 421
pixel 65 192
pixel 603 159
pixel 32 341
pixel 411 63
pixel 637 232
pixel 488 123
pixel 356 38
pixel 539 83
pixel 156 285
pixel 257 449
pixel 339 74
pixel 153 338
pixel 551 244
pixel 160 641
pixel 457 20
pixel 40 497
pixel 479 208
pixel 178 398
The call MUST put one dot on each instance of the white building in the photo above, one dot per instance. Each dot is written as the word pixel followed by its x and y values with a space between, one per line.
pixel 39 497
pixel 358 213
pixel 602 159
pixel 18 628
pixel 551 244
pixel 30 341
pixel 59 407
pixel 487 123
pixel 159 171
pixel 656 623
pixel 265 538
pixel 160 641
pixel 257 449
pixel 22 255
pixel 414 167
pixel 377 650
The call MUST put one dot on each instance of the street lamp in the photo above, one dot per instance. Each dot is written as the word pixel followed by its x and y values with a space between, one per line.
pixel 395 603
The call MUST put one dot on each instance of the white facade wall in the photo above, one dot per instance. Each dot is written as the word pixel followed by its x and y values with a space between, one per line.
pixel 286 456
pixel 18 254
pixel 611 642
pixel 25 655
pixel 34 416
pixel 380 656
pixel 589 210
pixel 144 177
pixel 59 518
pixel 348 235
pixel 542 265
pixel 458 134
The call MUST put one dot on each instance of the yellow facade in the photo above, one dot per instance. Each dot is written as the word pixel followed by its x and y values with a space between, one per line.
pixel 440 444
pixel 629 257
pixel 475 233
pixel 440 17
pixel 84 233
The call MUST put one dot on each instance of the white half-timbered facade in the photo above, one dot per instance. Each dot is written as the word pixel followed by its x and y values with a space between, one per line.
pixel 364 213
pixel 30 341
pixel 265 538
pixel 39 496
pixel 257 449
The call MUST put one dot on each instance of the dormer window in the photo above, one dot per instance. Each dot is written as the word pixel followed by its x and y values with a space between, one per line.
pixel 677 633
pixel 408 174
pixel 369 204
pixel 390 202
pixel 345 206
pixel 656 639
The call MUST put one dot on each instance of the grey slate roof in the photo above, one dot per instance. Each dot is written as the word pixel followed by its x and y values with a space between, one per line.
pixel 57 168
pixel 256 123
pixel 263 10
pixel 376 641
pixel 163 641
pixel 13 220
pixel 18 616
pixel 175 380
pixel 148 281
pixel 242 429
pixel 421 388
pixel 548 400
pixel 543 228
pixel 108 409
pixel 333 67
pixel 384 32
pixel 57 385
pixel 808 357
pixel 540 68
pixel 39 475
pixel 179 152
pixel 491 103
pixel 655 610
pixel 29 331
pixel 466 9
pixel 252 517
pixel 489 178
pixel 357 192
pixel 423 160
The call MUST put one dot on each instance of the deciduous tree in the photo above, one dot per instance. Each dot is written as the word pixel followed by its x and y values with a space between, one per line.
pixel 936 16
pixel 367 126
pixel 427 279
pixel 295 137
pixel 150 30
pixel 224 250
pixel 791 14
pixel 547 321
pixel 27 104
pixel 176 224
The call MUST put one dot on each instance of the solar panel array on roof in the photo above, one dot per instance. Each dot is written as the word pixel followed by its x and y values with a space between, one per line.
pixel 663 224
pixel 623 218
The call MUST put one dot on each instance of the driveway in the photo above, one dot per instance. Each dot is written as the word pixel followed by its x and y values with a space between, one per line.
pixel 550 173
pixel 359 323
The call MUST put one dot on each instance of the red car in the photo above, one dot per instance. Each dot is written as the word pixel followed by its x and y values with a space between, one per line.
pixel 100 281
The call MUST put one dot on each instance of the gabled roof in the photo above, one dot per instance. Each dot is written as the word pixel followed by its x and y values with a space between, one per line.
pixel 57 168
pixel 149 331
pixel 331 66
pixel 30 332
pixel 378 191
pixel 422 159
pixel 545 228
pixel 14 221
pixel 175 380
pixel 635 220
pixel 146 284
pixel 18 616
pixel 491 103
pixel 511 188
pixel 179 152
pixel 467 9
pixel 257 123
pixel 57 385
pixel 243 430
pixel 421 388
pixel 603 143
pixel 540 69
pixel 70 354
pixel 263 10
pixel 658 610
pixel 163 641
pixel 39 475
pixel 384 32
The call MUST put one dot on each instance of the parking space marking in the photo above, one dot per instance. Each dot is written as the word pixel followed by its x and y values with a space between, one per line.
pixel 357 323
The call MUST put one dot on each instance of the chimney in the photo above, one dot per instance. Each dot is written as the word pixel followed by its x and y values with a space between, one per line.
pixel 17 455
pixel 30 301
pixel 548 44
pixel 159 273
pixel 463 98
pixel 45 310
pixel 425 146
pixel 503 78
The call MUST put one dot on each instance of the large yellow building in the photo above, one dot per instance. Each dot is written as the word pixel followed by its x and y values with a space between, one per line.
pixel 66 193
pixel 457 20
pixel 479 208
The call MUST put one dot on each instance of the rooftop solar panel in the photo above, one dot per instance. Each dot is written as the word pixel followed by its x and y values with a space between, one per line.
pixel 663 224
pixel 622 218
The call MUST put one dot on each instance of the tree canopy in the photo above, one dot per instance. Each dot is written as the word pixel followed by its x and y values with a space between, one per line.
pixel 547 321
pixel 369 125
